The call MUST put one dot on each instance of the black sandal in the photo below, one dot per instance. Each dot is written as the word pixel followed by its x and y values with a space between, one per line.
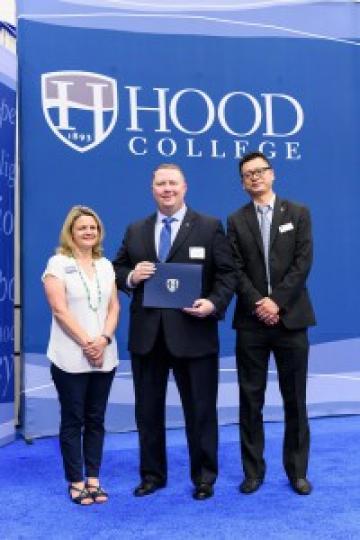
pixel 83 494
pixel 96 492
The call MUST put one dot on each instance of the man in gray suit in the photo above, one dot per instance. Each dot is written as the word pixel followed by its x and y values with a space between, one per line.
pixel 272 245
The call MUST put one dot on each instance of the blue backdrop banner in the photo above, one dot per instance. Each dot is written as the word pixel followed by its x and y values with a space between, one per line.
pixel 106 95
pixel 7 146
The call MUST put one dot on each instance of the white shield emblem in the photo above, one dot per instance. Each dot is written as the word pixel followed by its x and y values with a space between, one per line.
pixel 80 107
pixel 172 285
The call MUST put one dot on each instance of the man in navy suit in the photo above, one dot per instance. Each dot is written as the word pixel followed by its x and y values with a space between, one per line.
pixel 272 246
pixel 186 340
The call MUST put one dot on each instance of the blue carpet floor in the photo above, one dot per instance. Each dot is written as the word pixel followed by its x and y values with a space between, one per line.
pixel 34 505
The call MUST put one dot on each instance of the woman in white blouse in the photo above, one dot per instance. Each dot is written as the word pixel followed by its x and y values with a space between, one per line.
pixel 80 288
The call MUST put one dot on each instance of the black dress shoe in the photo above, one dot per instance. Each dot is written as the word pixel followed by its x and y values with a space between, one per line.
pixel 301 486
pixel 203 491
pixel 147 487
pixel 249 485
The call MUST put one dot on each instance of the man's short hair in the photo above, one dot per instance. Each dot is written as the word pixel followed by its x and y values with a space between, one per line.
pixel 249 157
pixel 172 166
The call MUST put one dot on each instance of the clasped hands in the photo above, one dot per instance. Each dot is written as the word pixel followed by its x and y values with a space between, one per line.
pixel 201 307
pixel 267 311
pixel 94 351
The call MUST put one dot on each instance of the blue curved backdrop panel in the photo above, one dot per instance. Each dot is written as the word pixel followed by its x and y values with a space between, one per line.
pixel 7 178
pixel 105 99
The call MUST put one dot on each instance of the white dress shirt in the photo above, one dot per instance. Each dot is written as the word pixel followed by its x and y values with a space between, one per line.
pixel 63 351
pixel 270 213
pixel 175 225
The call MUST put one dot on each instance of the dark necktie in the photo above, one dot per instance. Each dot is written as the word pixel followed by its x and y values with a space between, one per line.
pixel 265 235
pixel 165 238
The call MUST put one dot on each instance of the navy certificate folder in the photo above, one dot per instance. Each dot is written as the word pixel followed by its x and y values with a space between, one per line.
pixel 174 285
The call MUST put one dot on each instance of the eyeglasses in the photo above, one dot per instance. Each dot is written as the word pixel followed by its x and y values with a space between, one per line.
pixel 248 175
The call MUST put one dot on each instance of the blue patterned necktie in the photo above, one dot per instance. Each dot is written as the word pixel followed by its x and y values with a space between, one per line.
pixel 165 238
pixel 265 235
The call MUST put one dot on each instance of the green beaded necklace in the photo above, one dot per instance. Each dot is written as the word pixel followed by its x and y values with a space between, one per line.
pixel 87 290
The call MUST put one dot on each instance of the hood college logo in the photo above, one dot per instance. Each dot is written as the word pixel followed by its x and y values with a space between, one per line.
pixel 172 285
pixel 80 107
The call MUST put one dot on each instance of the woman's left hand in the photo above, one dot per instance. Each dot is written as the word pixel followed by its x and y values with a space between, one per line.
pixel 94 351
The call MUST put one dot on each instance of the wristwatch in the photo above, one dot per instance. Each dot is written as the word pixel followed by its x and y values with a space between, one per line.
pixel 108 338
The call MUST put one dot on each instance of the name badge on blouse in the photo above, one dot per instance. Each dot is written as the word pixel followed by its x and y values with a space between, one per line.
pixel 70 269
pixel 197 252
pixel 286 227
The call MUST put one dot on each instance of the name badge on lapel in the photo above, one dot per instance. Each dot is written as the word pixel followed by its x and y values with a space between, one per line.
pixel 196 252
pixel 70 269
pixel 286 227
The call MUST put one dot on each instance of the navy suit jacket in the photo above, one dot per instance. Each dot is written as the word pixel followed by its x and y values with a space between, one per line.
pixel 185 335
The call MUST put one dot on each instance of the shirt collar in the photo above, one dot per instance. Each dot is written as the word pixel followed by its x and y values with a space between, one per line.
pixel 271 203
pixel 179 215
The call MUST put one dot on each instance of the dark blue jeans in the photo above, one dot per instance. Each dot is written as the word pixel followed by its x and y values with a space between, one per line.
pixel 83 398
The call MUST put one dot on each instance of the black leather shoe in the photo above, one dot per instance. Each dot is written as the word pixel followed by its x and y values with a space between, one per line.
pixel 249 485
pixel 301 486
pixel 203 491
pixel 147 487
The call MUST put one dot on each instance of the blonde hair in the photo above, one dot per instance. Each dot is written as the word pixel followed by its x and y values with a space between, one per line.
pixel 66 241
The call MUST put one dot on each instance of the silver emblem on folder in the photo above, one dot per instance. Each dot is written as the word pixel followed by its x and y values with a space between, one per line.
pixel 172 285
